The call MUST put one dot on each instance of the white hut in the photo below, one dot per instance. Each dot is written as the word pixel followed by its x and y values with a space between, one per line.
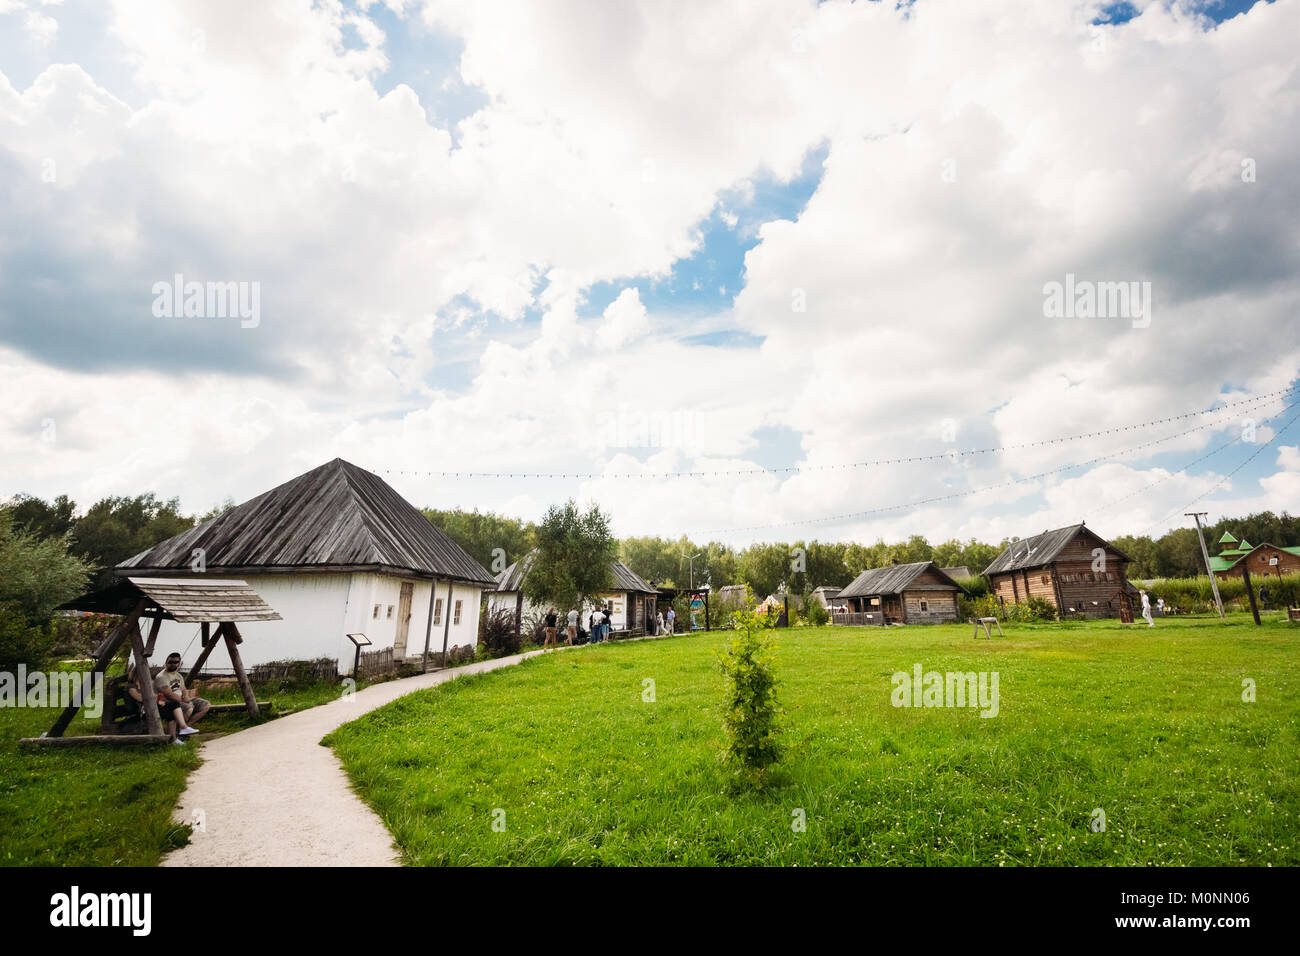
pixel 336 551
pixel 631 601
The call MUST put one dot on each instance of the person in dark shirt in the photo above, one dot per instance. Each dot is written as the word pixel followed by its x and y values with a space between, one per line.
pixel 550 629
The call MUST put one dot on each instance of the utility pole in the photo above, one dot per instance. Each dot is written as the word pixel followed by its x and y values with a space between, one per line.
pixel 1205 553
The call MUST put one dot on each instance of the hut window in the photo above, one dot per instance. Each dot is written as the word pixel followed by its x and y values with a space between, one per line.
pixel 925 606
pixel 437 611
pixel 390 612
pixel 375 616
pixel 1046 579
pixel 455 618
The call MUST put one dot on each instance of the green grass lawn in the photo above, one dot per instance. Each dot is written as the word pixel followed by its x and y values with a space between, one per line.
pixel 101 806
pixel 1147 725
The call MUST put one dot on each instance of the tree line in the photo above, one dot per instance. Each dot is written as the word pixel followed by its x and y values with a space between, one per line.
pixel 49 551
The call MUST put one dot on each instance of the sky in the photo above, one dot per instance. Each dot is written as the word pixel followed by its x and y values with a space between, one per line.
pixel 695 262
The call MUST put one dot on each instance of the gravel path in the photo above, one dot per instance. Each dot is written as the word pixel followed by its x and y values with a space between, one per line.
pixel 273 796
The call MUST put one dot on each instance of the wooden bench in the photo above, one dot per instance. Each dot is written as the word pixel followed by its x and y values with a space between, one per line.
pixel 987 623
pixel 121 714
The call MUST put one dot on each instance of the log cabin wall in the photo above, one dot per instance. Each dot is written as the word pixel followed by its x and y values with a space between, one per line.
pixel 939 606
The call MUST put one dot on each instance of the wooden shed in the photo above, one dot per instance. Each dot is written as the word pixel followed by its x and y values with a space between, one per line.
pixel 917 593
pixel 1074 569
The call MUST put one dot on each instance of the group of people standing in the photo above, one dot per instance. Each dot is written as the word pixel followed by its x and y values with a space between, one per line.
pixel 598 627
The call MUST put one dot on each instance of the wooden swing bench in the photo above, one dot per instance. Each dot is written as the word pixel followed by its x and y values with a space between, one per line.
pixel 187 600
pixel 122 714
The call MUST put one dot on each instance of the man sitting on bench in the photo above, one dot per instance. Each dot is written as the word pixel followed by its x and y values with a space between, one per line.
pixel 172 705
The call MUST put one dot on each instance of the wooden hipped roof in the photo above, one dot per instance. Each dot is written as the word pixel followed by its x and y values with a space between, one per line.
pixel 335 517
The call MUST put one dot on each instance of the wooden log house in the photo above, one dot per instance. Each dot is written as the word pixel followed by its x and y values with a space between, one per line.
pixel 917 593
pixel 1074 569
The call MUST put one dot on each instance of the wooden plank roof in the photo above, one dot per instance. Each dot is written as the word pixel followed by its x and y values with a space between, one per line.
pixel 1042 549
pixel 335 517
pixel 189 600
pixel 894 579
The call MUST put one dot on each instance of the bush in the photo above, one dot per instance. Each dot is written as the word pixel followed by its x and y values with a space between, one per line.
pixel 986 605
pixel 497 635
pixel 1194 594
pixel 751 712
pixel 815 613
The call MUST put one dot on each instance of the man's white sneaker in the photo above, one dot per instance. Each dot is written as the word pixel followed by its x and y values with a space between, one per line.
pixel 178 743
pixel 187 731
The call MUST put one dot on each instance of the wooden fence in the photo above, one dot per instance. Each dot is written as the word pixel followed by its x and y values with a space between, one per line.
pixel 378 662
pixel 304 671
pixel 857 618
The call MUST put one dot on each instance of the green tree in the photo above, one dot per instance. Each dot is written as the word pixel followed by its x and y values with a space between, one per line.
pixel 751 712
pixel 35 517
pixel 494 541
pixel 115 529
pixel 765 567
pixel 573 557
pixel 36 575
pixel 655 559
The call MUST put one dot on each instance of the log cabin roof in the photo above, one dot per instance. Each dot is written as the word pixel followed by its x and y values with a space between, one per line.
pixel 335 517
pixel 896 578
pixel 1043 549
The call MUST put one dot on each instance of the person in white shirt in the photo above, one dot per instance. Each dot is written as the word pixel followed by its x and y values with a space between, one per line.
pixel 573 627
pixel 659 622
pixel 668 621
pixel 1146 609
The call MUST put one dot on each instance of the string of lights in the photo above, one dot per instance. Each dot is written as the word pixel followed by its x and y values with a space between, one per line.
pixel 856 515
pixel 950 455
pixel 1163 522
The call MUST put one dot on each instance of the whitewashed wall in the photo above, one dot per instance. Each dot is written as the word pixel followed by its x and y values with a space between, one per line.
pixel 320 610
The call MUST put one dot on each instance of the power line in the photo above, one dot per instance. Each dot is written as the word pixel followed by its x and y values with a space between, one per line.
pixel 975 491
pixel 1251 457
pixel 950 455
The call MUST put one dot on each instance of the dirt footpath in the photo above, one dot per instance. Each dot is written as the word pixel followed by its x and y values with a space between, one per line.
pixel 273 796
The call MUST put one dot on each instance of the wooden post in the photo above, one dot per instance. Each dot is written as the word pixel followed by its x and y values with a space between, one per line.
pixel 233 639
pixel 519 614
pixel 107 651
pixel 153 634
pixel 1205 553
pixel 446 623
pixel 144 681
pixel 1250 591
pixel 209 644
pixel 706 609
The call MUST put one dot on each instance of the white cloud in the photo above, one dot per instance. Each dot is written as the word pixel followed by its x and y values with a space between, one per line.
pixel 974 152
